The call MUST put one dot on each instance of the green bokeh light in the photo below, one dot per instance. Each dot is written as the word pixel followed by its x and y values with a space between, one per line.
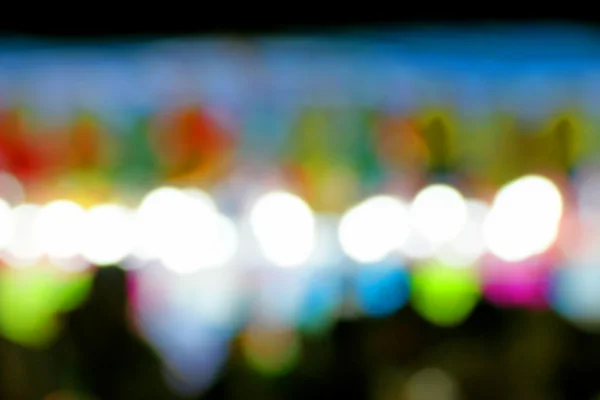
pixel 32 298
pixel 444 295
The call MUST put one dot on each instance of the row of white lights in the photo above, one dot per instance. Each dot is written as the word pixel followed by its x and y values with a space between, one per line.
pixel 185 231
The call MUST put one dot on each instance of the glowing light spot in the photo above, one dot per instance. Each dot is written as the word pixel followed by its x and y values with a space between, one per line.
pixel 201 197
pixel 576 295
pixel 381 290
pixel 320 303
pixel 419 248
pixel 468 245
pixel 31 299
pixel 71 264
pixel 327 251
pixel 438 213
pixel 374 228
pixel 193 354
pixel 7 225
pixel 284 226
pixel 23 248
pixel 184 231
pixel 525 218
pixel 279 296
pixel 205 241
pixel 59 228
pixel 155 217
pixel 110 234
pixel 518 284
pixel 444 295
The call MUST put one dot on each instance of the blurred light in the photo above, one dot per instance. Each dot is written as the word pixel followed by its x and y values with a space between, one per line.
pixel 374 228
pixel 576 295
pixel 271 352
pixel 468 245
pixel 327 252
pixel 525 218
pixel 156 218
pixel 110 234
pixel 382 290
pixel 522 284
pixel 184 231
pixel 186 319
pixel 444 295
pixel 278 297
pixel 201 197
pixel 284 226
pixel 23 248
pixel 7 226
pixel 59 229
pixel 438 213
pixel 432 384
pixel 204 241
pixel 225 244
pixel 212 296
pixel 31 299
pixel 321 302
pixel 587 188
pixel 71 264
pixel 11 189
pixel 419 248
pixel 193 354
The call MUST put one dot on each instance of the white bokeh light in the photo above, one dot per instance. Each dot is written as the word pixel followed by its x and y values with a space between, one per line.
pixel 371 230
pixel 110 234
pixel 202 197
pixel 284 226
pixel 417 247
pixel 7 226
pixel 183 229
pixel 524 219
pixel 204 241
pixel 59 229
pixel 327 251
pixel 438 213
pixel 23 249
pixel 156 219
pixel 466 247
